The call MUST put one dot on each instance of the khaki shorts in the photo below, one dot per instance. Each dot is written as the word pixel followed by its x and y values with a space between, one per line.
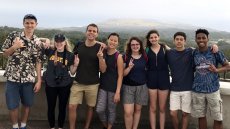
pixel 78 90
pixel 180 100
pixel 211 101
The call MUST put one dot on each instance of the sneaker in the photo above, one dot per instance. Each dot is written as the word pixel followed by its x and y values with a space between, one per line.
pixel 22 127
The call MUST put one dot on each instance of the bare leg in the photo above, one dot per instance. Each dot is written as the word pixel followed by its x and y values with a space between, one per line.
pixel 105 125
pixel 25 113
pixel 14 116
pixel 109 126
pixel 162 98
pixel 152 108
pixel 72 115
pixel 128 110
pixel 137 115
pixel 218 125
pixel 174 119
pixel 89 117
pixel 202 123
pixel 185 118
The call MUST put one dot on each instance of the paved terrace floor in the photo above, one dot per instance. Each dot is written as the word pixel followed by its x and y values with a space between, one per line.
pixel 95 125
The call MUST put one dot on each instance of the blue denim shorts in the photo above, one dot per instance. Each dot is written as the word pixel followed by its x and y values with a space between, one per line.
pixel 16 92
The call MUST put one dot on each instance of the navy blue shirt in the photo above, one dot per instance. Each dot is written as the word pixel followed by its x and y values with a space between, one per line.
pixel 180 64
pixel 206 81
pixel 158 72
pixel 137 75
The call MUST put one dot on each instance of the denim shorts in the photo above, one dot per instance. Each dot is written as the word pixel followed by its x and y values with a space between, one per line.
pixel 16 92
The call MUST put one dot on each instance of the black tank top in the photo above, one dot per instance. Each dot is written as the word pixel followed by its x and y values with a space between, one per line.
pixel 108 80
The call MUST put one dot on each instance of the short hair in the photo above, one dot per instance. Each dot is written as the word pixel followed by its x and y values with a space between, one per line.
pixel 29 16
pixel 204 31
pixel 180 34
pixel 148 36
pixel 113 34
pixel 93 25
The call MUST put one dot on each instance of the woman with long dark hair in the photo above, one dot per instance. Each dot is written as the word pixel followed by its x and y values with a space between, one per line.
pixel 135 91
pixel 157 77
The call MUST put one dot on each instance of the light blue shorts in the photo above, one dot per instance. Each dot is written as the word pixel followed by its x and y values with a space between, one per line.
pixel 16 92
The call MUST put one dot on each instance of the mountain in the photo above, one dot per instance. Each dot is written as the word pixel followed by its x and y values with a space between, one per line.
pixel 130 25
pixel 141 26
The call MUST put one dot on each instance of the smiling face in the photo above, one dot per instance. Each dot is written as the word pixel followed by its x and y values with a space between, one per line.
pixel 112 42
pixel 60 46
pixel 179 42
pixel 29 25
pixel 91 33
pixel 154 38
pixel 135 46
pixel 202 40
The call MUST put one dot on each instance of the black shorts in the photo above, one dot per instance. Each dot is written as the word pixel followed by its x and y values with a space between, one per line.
pixel 158 80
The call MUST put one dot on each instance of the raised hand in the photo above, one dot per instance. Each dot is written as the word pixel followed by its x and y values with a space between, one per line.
pixel 76 60
pixel 100 52
pixel 18 43
pixel 214 48
pixel 45 42
pixel 131 63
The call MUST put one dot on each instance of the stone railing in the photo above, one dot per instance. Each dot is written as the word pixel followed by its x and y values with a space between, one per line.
pixel 38 111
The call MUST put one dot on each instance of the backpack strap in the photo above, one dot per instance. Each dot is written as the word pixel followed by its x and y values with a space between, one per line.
pixel 164 50
pixel 147 50
pixel 145 56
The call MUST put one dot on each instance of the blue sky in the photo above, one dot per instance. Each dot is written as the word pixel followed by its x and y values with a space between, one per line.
pixel 69 13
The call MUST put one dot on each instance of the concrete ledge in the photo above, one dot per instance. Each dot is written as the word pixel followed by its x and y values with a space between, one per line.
pixel 225 88
pixel 39 109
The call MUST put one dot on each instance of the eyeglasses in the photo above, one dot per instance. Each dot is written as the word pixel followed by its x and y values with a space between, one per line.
pixel 135 44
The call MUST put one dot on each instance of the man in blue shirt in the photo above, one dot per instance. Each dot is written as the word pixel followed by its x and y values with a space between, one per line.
pixel 180 63
pixel 206 85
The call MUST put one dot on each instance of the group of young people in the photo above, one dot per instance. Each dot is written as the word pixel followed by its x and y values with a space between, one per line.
pixel 140 76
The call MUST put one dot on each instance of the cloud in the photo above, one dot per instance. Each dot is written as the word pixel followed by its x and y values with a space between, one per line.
pixel 58 13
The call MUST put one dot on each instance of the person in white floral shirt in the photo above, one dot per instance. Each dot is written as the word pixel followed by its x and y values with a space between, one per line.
pixel 23 50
